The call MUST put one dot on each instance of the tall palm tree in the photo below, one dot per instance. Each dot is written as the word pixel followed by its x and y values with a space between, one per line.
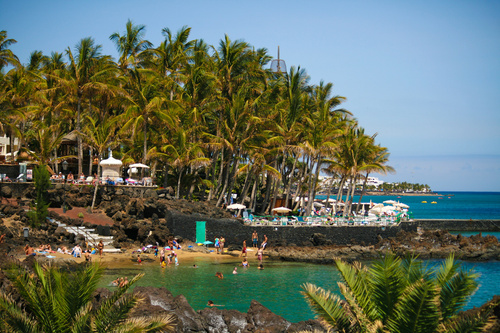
pixel 6 54
pixel 398 295
pixel 81 69
pixel 57 301
pixel 100 135
pixel 130 45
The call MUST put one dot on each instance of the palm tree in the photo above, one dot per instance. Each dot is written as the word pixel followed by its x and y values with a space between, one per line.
pixel 130 45
pixel 81 69
pixel 398 295
pixel 100 135
pixel 57 301
pixel 6 55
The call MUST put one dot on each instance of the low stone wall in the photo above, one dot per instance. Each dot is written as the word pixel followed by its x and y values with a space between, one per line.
pixel 458 225
pixel 19 190
pixel 235 232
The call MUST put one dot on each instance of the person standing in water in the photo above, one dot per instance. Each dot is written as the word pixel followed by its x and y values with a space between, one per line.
pixel 260 253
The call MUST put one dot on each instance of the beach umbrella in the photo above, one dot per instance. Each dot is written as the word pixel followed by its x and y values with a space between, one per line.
pixel 329 200
pixel 138 165
pixel 402 205
pixel 376 210
pixel 390 202
pixel 386 209
pixel 236 206
pixel 379 205
pixel 318 204
pixel 207 243
pixel 281 210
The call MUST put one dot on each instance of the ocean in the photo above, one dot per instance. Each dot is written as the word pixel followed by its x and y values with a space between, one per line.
pixel 449 205
pixel 278 286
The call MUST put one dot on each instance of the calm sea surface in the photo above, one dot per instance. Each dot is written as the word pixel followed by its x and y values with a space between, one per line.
pixel 278 286
pixel 450 205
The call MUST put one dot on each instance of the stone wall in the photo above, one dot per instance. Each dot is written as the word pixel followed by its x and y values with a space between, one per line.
pixel 458 225
pixel 234 231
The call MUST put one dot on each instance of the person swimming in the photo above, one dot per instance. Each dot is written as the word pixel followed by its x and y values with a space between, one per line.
pixel 235 270
pixel 245 263
pixel 219 275
pixel 210 303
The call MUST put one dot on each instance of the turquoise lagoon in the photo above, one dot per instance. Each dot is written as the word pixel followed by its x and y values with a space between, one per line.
pixel 278 286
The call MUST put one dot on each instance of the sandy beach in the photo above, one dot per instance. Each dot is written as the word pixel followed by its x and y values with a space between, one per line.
pixel 129 257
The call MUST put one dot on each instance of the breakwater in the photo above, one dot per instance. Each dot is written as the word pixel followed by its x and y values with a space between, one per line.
pixel 457 225
pixel 235 231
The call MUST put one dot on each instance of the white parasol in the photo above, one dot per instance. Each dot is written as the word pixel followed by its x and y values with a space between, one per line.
pixel 402 205
pixel 236 206
pixel 281 210
pixel 390 202
pixel 138 165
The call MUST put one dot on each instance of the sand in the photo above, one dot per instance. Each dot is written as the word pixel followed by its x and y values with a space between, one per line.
pixel 185 256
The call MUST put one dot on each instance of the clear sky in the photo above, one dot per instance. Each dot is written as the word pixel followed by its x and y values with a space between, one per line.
pixel 424 75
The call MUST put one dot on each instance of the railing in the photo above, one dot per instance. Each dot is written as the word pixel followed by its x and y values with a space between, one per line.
pixel 301 221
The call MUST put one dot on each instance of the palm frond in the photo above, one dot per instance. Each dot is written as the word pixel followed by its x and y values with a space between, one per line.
pixel 328 307
pixel 418 309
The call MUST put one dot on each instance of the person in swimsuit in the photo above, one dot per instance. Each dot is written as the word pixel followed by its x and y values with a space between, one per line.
pixel 264 243
pixel 260 252
pixel 221 244
pixel 255 238
pixel 217 244
pixel 245 263
pixel 100 247
pixel 244 249
pixel 210 303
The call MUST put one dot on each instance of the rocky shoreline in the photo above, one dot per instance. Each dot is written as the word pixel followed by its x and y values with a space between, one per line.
pixel 136 220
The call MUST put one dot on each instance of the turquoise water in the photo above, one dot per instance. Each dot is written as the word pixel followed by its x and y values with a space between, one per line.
pixel 471 233
pixel 455 205
pixel 277 286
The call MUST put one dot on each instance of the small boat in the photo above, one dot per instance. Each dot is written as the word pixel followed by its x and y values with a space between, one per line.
pixel 424 201
pixel 434 202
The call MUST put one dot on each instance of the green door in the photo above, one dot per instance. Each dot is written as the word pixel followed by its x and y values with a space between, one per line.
pixel 200 231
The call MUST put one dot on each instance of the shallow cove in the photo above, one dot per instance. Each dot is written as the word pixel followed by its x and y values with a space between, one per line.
pixel 277 287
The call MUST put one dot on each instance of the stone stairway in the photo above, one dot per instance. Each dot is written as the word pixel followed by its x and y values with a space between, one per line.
pixel 90 236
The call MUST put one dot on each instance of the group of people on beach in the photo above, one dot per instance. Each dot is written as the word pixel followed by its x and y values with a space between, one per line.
pixel 219 244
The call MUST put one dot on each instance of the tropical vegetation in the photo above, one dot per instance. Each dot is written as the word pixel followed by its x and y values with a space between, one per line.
pixel 399 295
pixel 209 120
pixel 58 301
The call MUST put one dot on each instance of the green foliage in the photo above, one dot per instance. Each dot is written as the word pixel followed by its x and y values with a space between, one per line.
pixel 80 215
pixel 58 301
pixel 39 211
pixel 398 295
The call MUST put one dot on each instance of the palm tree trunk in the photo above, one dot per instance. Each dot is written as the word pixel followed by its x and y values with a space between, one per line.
pixel 253 196
pixel 289 185
pixel 177 193
pixel 91 160
pixel 78 137
pixel 362 192
pixel 96 185
pixel 145 148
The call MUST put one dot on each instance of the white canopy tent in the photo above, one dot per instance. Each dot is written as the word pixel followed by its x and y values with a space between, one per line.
pixel 111 167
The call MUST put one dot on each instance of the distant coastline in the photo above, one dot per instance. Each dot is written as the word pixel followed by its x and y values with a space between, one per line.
pixel 406 194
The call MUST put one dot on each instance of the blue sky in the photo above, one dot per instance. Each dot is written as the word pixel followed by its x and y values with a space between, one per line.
pixel 424 75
